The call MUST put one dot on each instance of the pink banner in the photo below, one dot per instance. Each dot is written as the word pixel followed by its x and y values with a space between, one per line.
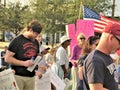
pixel 71 33
pixel 82 26
pixel 85 26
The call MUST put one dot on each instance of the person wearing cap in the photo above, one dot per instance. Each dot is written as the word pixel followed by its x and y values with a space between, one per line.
pixel 62 59
pixel 99 70
pixel 19 53
pixel 75 54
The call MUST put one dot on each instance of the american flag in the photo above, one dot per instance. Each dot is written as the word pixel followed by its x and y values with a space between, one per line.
pixel 100 21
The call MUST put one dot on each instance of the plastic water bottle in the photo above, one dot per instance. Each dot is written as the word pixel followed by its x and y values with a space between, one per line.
pixel 32 58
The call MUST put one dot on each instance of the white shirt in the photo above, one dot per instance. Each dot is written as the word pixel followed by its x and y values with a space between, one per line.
pixel 62 57
pixel 49 58
pixel 43 64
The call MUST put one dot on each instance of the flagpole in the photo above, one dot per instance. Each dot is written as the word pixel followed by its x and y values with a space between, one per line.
pixel 4 3
pixel 80 11
pixel 113 8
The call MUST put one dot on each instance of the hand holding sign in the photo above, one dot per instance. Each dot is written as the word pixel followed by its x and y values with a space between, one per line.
pixel 37 60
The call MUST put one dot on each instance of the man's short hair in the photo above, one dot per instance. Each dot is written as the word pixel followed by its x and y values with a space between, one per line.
pixel 35 26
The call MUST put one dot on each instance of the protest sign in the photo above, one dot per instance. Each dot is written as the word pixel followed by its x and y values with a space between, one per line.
pixel 56 81
pixel 43 83
pixel 49 77
pixel 81 26
pixel 85 26
pixel 7 80
pixel 36 61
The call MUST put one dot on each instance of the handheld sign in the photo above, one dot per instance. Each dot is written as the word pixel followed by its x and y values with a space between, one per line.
pixel 7 80
pixel 37 60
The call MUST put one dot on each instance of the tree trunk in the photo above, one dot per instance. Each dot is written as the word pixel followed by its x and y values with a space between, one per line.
pixel 53 39
pixel 113 8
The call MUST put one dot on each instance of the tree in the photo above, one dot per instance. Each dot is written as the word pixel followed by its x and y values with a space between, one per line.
pixel 2 14
pixel 15 19
pixel 51 14
pixel 55 14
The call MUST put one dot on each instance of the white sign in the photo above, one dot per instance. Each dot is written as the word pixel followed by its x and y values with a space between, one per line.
pixel 43 83
pixel 49 77
pixel 56 81
pixel 36 61
pixel 7 80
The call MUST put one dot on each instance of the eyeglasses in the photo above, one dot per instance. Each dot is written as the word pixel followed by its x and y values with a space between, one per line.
pixel 117 39
pixel 82 38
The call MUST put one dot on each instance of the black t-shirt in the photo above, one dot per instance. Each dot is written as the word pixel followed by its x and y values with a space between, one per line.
pixel 24 49
pixel 99 68
pixel 82 59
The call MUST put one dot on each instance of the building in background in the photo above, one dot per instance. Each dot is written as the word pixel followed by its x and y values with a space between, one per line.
pixel 1 35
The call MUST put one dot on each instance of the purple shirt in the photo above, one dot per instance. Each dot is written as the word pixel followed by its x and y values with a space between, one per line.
pixel 75 53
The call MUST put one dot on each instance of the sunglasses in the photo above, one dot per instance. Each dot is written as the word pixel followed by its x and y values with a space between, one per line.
pixel 117 39
pixel 96 44
pixel 82 38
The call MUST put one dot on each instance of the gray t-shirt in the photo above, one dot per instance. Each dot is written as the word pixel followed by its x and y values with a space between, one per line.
pixel 99 68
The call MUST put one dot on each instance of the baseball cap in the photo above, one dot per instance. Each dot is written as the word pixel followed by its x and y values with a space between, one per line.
pixel 64 38
pixel 113 28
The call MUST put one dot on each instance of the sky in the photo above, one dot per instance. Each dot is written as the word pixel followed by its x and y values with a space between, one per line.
pixel 117 5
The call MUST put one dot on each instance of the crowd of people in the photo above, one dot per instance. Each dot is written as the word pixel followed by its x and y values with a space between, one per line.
pixel 89 65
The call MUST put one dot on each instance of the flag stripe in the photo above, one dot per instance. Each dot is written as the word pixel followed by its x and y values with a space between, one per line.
pixel 100 22
pixel 89 14
pixel 98 25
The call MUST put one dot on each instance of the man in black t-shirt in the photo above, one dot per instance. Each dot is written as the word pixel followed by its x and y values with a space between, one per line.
pixel 99 71
pixel 19 53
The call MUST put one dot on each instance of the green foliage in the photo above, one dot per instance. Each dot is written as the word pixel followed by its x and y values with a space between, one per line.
pixel 53 14
pixel 100 6
pixel 2 14
pixel 50 14
pixel 13 17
